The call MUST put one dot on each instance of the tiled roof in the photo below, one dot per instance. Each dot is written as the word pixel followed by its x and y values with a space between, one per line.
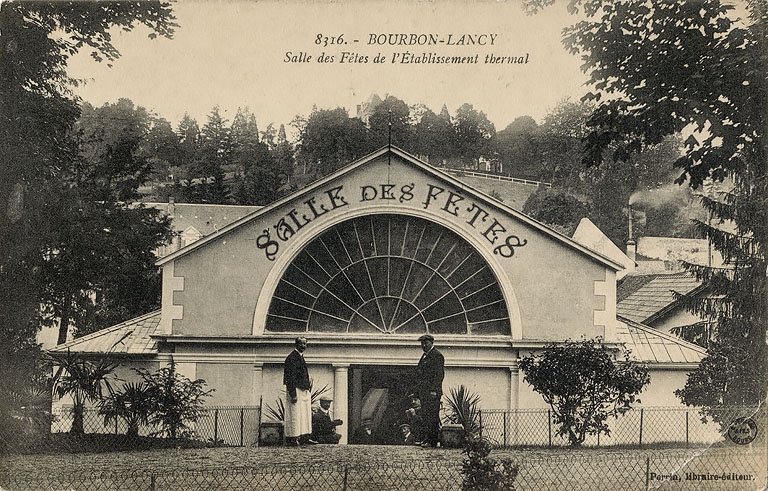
pixel 650 345
pixel 130 337
pixel 654 296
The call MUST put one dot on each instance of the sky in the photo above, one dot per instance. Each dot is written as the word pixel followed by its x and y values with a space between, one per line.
pixel 252 54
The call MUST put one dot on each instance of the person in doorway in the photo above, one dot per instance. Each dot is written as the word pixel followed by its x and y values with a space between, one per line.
pixel 414 417
pixel 429 388
pixel 364 434
pixel 405 428
pixel 323 427
pixel 298 403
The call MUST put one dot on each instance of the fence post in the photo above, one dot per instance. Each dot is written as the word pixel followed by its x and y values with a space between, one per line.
pixel 152 482
pixel 505 429
pixel 686 429
pixel 549 426
pixel 346 474
pixel 115 426
pixel 215 427
pixel 241 425
pixel 258 425
pixel 481 424
pixel 641 428
pixel 647 473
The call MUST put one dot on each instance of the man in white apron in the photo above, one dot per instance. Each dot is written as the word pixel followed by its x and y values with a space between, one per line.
pixel 298 398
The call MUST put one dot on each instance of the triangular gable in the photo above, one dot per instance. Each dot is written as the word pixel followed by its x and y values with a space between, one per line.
pixel 589 235
pixel 424 168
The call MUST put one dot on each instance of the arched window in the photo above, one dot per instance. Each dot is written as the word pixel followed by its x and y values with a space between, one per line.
pixel 389 274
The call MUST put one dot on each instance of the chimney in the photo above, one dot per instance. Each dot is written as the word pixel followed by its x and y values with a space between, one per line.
pixel 171 206
pixel 631 244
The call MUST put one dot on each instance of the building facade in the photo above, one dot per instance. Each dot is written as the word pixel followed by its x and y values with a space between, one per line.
pixel 362 263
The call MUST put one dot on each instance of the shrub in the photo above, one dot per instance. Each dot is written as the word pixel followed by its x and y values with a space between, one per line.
pixel 83 380
pixel 133 404
pixel 176 400
pixel 277 412
pixel 583 385
pixel 483 473
pixel 464 409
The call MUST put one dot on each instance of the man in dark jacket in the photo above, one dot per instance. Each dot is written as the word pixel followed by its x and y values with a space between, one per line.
pixel 323 427
pixel 298 403
pixel 429 388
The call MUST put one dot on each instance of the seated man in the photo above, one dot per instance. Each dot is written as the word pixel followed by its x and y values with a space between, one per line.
pixel 364 434
pixel 407 438
pixel 414 418
pixel 323 427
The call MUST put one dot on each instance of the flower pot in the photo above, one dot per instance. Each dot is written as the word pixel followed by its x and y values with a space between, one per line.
pixel 452 436
pixel 271 433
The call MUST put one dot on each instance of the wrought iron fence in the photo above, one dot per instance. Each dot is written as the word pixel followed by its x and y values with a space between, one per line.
pixel 633 470
pixel 240 426
pixel 215 426
pixel 641 427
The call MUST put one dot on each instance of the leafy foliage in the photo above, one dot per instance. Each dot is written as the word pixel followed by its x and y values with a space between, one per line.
pixel 133 404
pixel 176 400
pixel 694 67
pixel 25 417
pixel 277 412
pixel 584 386
pixel 464 409
pixel 84 380
pixel 484 473
pixel 38 154
pixel 561 210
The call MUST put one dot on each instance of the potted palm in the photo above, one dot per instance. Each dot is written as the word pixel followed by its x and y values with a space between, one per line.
pixel 463 417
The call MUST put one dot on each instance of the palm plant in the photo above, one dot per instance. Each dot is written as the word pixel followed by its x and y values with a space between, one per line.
pixel 25 416
pixel 464 409
pixel 133 404
pixel 277 412
pixel 84 380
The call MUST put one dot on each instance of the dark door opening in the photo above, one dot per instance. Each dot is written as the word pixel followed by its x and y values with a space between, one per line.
pixel 379 394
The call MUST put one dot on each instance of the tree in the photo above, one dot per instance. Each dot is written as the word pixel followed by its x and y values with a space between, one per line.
pixel 161 147
pixel 85 381
pixel 666 68
pixel 331 139
pixel 391 116
pixel 559 210
pixel 37 114
pixel 435 136
pixel 259 174
pixel 96 228
pixel 516 146
pixel 212 159
pixel 176 400
pixel 473 132
pixel 584 386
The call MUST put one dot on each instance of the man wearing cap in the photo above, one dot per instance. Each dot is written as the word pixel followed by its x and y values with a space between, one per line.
pixel 298 400
pixel 323 427
pixel 429 388
pixel 405 428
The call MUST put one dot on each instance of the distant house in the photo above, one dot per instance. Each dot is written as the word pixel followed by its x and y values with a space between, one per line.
pixel 651 299
pixel 193 221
